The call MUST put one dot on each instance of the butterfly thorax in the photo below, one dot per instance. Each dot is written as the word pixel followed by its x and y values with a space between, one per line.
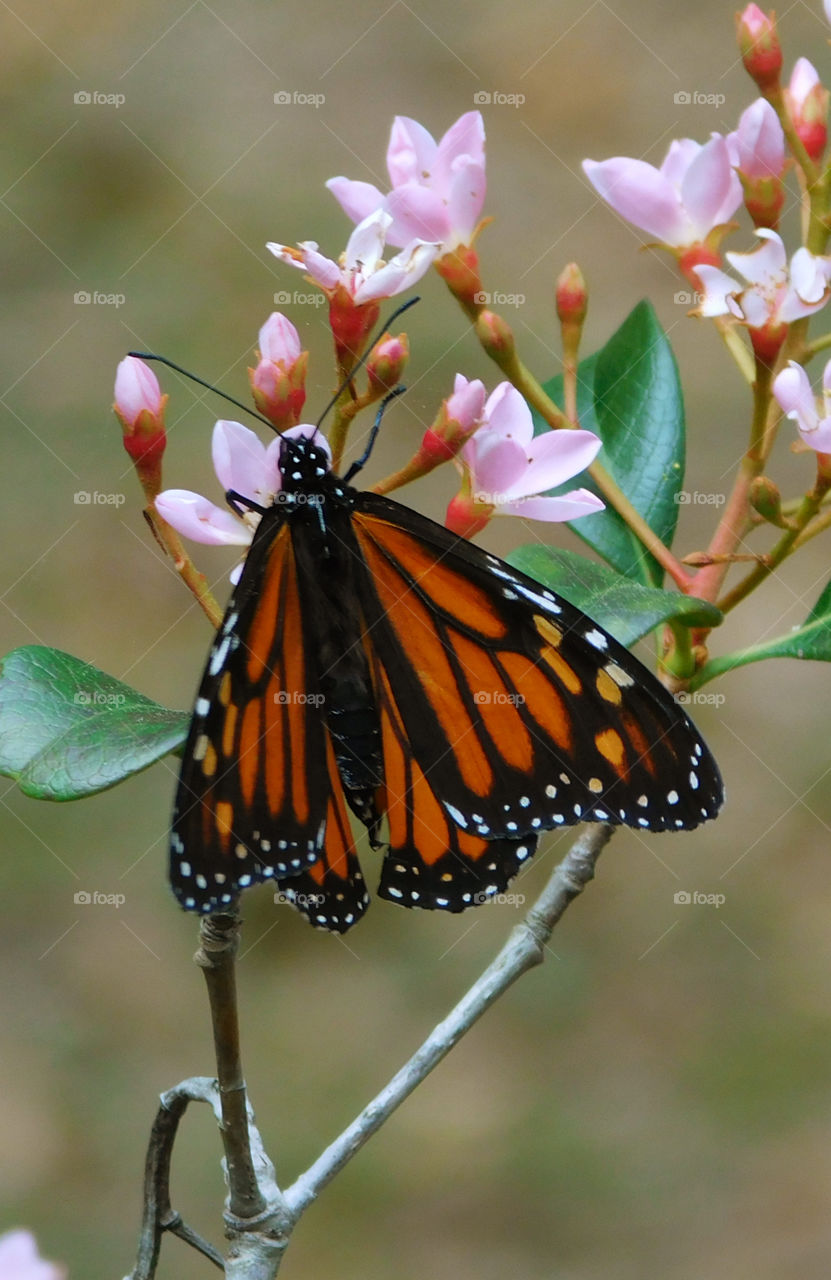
pixel 318 506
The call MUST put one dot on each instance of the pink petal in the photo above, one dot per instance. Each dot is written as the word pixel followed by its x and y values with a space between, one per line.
pixel 498 464
pixel 803 78
pixel 466 197
pixel 411 152
pixel 357 199
pixel 507 414
pixel 136 389
pixel 417 214
pixel 239 460
pixel 642 195
pixel 462 146
pixel 754 308
pixel 197 518
pixel 758 145
pixel 323 271
pixel 792 388
pixel 710 190
pixel 761 266
pixel 679 157
pixel 572 505
pixel 467 403
pixel 20 1259
pixel 554 457
pixel 279 340
pixel 400 273
pixel 826 373
pixel 792 307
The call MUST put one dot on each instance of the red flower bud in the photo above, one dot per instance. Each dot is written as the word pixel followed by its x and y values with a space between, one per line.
pixel 140 405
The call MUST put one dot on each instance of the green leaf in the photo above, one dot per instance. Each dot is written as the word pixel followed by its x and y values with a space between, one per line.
pixel 628 609
pixel 68 730
pixel 629 393
pixel 810 641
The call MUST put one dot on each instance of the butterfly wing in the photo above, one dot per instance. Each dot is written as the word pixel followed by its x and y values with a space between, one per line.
pixel 258 793
pixel 519 713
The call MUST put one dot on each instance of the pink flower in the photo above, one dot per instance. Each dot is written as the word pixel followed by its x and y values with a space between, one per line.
pixel 279 341
pixel 792 388
pixel 362 272
pixel 242 464
pixel 438 188
pixel 776 294
pixel 507 469
pixel 757 147
pixel 459 416
pixel 694 191
pixel 20 1259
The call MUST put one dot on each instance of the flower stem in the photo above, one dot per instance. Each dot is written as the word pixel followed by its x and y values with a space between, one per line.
pixel 196 582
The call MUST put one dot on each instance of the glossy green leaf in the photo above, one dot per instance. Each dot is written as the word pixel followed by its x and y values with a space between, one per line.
pixel 629 393
pixel 812 641
pixel 68 730
pixel 627 609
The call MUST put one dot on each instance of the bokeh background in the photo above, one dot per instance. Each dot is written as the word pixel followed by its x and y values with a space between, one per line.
pixel 654 1100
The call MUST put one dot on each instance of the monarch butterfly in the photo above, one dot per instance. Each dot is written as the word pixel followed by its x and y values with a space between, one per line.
pixel 370 659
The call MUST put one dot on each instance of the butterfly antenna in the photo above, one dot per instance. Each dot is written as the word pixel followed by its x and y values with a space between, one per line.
pixel 382 328
pixel 376 427
pixel 146 355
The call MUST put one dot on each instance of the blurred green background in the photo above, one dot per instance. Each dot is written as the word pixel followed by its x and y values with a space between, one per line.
pixel 654 1100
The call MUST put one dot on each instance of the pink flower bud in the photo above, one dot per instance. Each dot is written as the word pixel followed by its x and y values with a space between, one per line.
pixel 279 340
pixel 388 361
pixel 467 517
pixel 757 147
pixel 807 101
pixel 759 46
pixel 137 391
pixel 571 295
pixel 139 404
pixel 495 335
pixel 456 421
pixel 278 382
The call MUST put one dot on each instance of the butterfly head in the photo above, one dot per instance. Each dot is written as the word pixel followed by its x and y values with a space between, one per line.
pixel 305 458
